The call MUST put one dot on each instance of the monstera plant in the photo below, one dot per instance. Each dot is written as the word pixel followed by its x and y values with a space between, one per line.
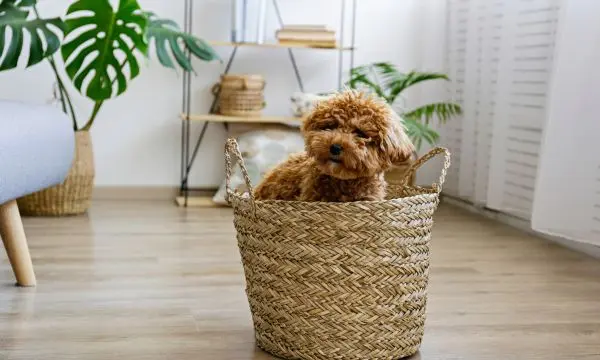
pixel 385 80
pixel 14 15
pixel 101 47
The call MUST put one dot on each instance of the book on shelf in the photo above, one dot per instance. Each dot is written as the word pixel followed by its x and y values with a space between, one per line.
pixel 305 27
pixel 289 35
pixel 320 44
pixel 304 30
pixel 311 35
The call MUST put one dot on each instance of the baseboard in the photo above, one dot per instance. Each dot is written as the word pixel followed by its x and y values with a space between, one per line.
pixel 524 226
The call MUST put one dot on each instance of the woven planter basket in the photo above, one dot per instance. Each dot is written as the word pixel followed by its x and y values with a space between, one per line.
pixel 74 195
pixel 337 280
pixel 240 95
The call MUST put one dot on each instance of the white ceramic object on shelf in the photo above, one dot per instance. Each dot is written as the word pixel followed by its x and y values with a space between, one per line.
pixel 303 103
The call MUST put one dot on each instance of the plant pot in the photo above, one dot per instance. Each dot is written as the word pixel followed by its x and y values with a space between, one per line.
pixel 74 195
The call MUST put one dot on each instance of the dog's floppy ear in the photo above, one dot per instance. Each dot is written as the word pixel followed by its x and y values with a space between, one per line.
pixel 314 117
pixel 396 142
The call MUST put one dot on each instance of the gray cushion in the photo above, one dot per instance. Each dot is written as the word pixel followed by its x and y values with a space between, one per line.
pixel 37 146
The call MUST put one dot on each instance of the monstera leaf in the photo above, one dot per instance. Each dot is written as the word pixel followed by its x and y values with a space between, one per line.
pixel 103 43
pixel 44 34
pixel 166 33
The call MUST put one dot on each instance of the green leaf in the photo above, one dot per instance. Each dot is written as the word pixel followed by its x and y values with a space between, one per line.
pixel 443 111
pixel 166 34
pixel 418 132
pixel 26 3
pixel 14 15
pixel 103 44
pixel 360 79
pixel 389 75
pixel 413 78
pixel 388 79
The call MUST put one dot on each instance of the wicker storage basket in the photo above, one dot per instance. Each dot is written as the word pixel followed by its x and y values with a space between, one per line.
pixel 240 95
pixel 337 280
pixel 74 195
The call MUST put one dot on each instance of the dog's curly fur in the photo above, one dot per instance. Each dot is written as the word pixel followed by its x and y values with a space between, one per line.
pixel 351 139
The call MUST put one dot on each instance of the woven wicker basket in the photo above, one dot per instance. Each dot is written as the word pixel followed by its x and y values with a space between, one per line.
pixel 74 195
pixel 337 280
pixel 397 174
pixel 240 95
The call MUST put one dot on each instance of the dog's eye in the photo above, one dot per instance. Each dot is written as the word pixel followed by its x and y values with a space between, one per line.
pixel 361 134
pixel 330 126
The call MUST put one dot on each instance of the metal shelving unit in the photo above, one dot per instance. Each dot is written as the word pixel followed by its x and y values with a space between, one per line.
pixel 189 151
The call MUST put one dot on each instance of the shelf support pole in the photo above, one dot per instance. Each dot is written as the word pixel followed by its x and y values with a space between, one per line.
pixel 341 52
pixel 186 105
pixel 213 107
pixel 290 52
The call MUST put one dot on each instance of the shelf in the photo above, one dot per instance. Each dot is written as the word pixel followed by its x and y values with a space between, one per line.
pixel 241 119
pixel 277 45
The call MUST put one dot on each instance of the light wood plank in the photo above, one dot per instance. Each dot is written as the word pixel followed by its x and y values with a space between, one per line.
pixel 135 192
pixel 240 119
pixel 196 201
pixel 145 280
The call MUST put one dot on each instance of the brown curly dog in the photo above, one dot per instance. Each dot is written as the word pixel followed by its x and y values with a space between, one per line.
pixel 351 139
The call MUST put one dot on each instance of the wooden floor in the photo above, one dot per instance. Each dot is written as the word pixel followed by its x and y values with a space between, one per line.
pixel 152 281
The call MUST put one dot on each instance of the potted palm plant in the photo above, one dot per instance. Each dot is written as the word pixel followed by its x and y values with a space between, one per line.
pixel 385 80
pixel 100 46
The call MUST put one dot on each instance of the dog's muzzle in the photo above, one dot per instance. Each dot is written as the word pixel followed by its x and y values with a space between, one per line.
pixel 335 149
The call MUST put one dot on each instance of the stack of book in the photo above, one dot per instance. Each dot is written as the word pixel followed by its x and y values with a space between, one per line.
pixel 309 35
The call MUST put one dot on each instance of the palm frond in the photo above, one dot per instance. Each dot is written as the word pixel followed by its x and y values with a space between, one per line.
pixel 413 78
pixel 443 111
pixel 417 131
pixel 358 78
pixel 389 75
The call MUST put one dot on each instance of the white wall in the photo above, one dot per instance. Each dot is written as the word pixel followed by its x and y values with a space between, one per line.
pixel 567 187
pixel 137 136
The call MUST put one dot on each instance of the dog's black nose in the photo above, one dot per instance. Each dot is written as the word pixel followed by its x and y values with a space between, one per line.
pixel 335 149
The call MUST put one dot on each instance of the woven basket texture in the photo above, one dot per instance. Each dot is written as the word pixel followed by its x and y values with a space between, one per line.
pixel 241 95
pixel 74 195
pixel 397 174
pixel 337 280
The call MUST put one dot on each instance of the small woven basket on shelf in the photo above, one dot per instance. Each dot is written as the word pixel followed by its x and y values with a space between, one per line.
pixel 74 195
pixel 240 95
pixel 337 280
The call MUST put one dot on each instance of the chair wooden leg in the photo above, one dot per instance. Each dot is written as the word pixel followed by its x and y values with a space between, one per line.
pixel 15 243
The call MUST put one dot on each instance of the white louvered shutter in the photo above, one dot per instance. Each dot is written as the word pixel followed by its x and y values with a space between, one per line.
pixel 524 74
pixel 458 18
pixel 483 43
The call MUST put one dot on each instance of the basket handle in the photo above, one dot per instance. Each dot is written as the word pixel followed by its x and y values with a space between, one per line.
pixel 423 159
pixel 232 149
